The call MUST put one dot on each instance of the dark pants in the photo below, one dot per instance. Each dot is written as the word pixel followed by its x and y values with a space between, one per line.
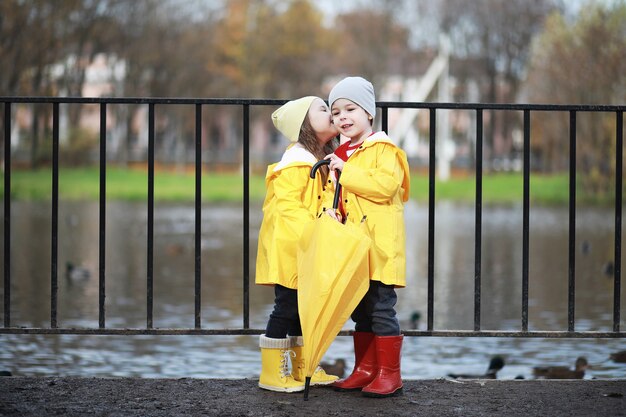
pixel 284 320
pixel 375 313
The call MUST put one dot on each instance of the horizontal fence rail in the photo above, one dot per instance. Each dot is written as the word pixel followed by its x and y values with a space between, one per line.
pixel 244 105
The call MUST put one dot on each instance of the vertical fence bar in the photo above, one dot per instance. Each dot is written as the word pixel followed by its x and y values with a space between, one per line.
pixel 54 287
pixel 150 254
pixel 571 288
pixel 198 220
pixel 102 213
pixel 619 155
pixel 7 214
pixel 526 215
pixel 431 217
pixel 385 119
pixel 246 216
pixel 479 219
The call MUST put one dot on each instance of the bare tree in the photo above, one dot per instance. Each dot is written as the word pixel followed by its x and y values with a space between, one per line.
pixel 497 34
pixel 370 42
pixel 581 62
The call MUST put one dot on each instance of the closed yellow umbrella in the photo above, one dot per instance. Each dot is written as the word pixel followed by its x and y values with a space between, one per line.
pixel 333 277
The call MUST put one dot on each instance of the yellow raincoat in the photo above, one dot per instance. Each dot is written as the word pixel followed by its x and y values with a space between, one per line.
pixel 375 182
pixel 292 200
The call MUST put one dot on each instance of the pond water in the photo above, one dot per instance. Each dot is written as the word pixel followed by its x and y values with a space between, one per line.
pixel 222 291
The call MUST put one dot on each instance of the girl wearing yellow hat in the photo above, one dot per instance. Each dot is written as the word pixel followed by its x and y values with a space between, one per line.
pixel 292 200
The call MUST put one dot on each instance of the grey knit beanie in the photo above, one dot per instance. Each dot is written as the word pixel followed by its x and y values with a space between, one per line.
pixel 357 90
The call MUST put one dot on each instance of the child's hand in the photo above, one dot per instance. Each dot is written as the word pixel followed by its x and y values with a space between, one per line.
pixel 335 215
pixel 335 162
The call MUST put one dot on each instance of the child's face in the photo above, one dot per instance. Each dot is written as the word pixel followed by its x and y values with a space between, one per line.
pixel 350 118
pixel 321 121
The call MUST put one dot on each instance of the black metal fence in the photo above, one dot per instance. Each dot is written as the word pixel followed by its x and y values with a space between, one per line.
pixel 245 105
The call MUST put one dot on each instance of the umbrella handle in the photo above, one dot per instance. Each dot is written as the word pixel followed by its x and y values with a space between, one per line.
pixel 317 166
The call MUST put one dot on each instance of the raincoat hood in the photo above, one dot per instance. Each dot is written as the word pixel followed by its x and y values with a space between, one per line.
pixel 295 154
pixel 381 137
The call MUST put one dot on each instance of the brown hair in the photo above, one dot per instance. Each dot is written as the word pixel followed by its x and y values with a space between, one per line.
pixel 308 139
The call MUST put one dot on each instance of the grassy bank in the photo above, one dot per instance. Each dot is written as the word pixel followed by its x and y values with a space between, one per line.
pixel 130 184
pixel 497 188
pixel 123 184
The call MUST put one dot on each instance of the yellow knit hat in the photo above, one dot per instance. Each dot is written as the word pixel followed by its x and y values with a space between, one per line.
pixel 289 117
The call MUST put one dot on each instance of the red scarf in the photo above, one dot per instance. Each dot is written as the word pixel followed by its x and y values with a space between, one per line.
pixel 344 151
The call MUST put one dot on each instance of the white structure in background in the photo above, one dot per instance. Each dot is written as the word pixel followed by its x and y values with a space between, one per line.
pixel 417 90
pixel 104 77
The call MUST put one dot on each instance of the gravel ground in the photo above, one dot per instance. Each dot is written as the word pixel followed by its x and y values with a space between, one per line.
pixel 74 396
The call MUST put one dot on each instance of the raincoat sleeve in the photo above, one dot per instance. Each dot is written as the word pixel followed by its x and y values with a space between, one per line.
pixel 289 189
pixel 380 182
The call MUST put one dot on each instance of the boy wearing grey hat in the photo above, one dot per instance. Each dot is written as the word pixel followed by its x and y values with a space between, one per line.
pixel 375 186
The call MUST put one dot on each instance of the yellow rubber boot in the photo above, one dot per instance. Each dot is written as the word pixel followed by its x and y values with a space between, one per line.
pixel 275 375
pixel 320 377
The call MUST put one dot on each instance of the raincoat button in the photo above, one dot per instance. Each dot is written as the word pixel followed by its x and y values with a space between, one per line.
pixel 329 181
pixel 346 201
pixel 319 197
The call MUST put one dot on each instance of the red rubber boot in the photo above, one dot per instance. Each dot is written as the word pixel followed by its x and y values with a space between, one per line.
pixel 365 368
pixel 388 381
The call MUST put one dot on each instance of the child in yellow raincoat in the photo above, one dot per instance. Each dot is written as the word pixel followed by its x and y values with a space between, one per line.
pixel 375 183
pixel 292 200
